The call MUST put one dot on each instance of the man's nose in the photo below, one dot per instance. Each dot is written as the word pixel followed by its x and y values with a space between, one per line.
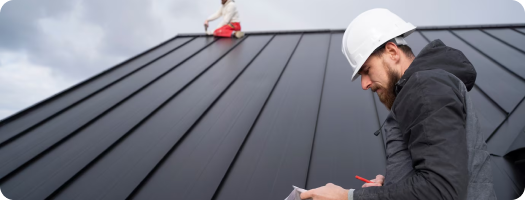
pixel 365 82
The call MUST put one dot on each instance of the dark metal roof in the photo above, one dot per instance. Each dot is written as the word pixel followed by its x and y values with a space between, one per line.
pixel 205 118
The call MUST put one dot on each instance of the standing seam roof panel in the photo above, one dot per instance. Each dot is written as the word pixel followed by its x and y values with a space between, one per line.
pixel 509 37
pixel 518 144
pixel 341 136
pixel 108 173
pixel 221 131
pixel 274 61
pixel 502 139
pixel 520 30
pixel 163 130
pixel 502 53
pixel 489 116
pixel 286 125
pixel 416 42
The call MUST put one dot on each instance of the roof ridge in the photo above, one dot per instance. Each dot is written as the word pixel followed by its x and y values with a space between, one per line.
pixel 455 27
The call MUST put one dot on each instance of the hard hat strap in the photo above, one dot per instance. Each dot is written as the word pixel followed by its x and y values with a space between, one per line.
pixel 399 41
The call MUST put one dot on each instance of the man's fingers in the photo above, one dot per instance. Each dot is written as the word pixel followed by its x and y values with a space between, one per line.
pixel 371 185
pixel 380 179
pixel 307 194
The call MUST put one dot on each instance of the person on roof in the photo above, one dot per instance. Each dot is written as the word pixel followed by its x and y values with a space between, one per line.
pixel 434 147
pixel 230 25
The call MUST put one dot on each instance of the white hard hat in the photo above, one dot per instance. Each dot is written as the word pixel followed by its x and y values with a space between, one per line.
pixel 370 30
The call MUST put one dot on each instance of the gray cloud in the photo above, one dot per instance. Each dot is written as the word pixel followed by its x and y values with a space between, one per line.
pixel 18 21
pixel 129 25
pixel 26 31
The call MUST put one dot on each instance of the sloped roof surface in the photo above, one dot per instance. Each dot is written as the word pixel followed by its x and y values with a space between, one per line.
pixel 205 118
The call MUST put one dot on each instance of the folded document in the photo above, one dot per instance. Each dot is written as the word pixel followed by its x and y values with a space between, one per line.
pixel 296 194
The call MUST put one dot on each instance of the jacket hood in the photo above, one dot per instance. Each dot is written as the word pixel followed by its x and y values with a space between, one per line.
pixel 436 55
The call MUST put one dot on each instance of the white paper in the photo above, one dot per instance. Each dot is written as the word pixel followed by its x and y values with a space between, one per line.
pixel 295 194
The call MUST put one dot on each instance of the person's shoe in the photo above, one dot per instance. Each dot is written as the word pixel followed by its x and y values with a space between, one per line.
pixel 209 32
pixel 239 34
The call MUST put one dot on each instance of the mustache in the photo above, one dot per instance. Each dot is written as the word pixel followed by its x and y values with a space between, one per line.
pixel 375 87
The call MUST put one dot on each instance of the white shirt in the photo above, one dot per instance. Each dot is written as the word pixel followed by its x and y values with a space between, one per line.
pixel 228 12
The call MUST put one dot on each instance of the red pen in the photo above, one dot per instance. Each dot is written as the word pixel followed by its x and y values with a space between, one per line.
pixel 362 179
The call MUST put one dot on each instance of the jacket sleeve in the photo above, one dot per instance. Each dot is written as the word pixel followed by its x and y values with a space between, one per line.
pixel 229 11
pixel 430 109
pixel 216 15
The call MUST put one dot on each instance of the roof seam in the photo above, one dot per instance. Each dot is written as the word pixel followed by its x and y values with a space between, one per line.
pixel 217 99
pixel 459 27
pixel 319 109
pixel 256 120
pixel 81 171
pixel 425 37
pixel 491 99
pixel 506 118
pixel 163 159
pixel 514 29
pixel 500 40
pixel 509 149
pixel 488 57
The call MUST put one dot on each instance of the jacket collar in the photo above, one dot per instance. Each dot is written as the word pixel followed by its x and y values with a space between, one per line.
pixel 436 55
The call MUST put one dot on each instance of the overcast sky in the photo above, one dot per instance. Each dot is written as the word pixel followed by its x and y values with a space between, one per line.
pixel 47 46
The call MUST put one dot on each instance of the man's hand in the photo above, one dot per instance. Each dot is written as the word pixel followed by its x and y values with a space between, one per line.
pixel 206 23
pixel 376 182
pixel 328 192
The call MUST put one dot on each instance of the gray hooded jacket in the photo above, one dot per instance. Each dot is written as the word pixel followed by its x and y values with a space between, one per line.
pixel 434 147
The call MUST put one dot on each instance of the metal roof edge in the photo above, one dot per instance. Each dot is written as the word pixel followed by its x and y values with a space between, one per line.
pixel 421 28
pixel 264 32
pixel 490 26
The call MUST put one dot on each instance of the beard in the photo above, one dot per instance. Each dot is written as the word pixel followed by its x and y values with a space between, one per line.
pixel 387 96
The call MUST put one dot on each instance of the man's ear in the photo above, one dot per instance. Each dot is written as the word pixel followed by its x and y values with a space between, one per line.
pixel 392 51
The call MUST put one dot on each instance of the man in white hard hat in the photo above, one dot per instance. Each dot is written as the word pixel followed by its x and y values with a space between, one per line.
pixel 230 26
pixel 434 147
